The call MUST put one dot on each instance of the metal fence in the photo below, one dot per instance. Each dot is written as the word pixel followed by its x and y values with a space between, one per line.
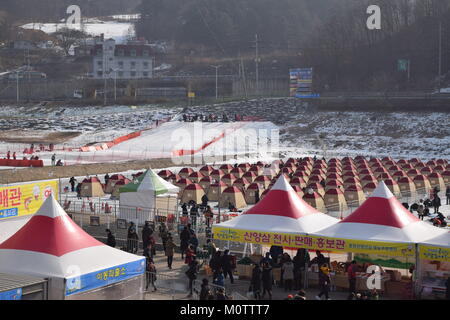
pixel 166 284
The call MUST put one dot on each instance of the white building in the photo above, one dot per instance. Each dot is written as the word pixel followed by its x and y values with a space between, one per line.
pixel 133 60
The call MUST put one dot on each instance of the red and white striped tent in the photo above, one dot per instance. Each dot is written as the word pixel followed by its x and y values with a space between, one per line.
pixel 382 218
pixel 281 210
pixel 50 245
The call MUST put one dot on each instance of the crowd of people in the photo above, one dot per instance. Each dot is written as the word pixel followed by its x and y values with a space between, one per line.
pixel 211 117
pixel 433 202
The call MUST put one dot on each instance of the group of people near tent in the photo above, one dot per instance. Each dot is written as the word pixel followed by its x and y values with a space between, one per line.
pixel 210 117
pixel 381 218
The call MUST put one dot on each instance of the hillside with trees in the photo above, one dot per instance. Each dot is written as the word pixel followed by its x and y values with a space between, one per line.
pixel 329 35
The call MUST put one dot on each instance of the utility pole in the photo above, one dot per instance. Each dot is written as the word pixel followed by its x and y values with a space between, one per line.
pixel 440 55
pixel 257 62
pixel 217 80
pixel 17 84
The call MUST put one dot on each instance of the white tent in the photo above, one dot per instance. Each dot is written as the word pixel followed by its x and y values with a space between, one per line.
pixel 138 198
pixel 281 211
pixel 78 266
pixel 382 218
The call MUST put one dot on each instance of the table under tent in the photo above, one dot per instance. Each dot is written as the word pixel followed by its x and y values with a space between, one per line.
pixel 77 266
pixel 280 219
pixel 434 268
pixel 381 232
pixel 148 198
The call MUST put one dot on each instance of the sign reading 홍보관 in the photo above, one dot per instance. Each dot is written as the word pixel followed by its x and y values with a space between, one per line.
pixel 25 199
pixel 314 242
pixel 101 278
pixel 434 253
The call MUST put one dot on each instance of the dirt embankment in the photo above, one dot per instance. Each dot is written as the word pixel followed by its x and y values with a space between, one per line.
pixel 19 136
pixel 46 173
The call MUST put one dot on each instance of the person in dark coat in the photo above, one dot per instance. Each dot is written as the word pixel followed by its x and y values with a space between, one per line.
pixel 301 261
pixel 256 281
pixel 106 179
pixel 78 189
pixel 194 214
pixel 192 273
pixel 72 182
pixel 215 264
pixel 267 280
pixel 150 273
pixel 436 203
pixel 193 241
pixel 324 282
pixel 132 239
pixel 146 233
pixel 184 209
pixel 275 253
pixel 205 291
pixel 319 259
pixel 184 241
pixel 111 240
pixel 226 265
pixel 205 200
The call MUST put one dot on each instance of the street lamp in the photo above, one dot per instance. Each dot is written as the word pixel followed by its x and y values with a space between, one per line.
pixel 217 79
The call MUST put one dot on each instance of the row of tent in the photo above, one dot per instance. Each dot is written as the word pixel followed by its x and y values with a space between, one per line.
pixel 332 185
pixel 381 218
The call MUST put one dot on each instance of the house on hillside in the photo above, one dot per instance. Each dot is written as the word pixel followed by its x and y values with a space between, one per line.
pixel 132 60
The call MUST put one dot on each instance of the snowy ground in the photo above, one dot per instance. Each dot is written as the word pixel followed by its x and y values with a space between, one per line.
pixel 94 124
pixel 119 31
pixel 303 131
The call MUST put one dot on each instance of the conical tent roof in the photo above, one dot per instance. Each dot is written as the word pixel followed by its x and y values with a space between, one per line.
pixel 150 181
pixel 281 210
pixel 382 218
pixel 51 244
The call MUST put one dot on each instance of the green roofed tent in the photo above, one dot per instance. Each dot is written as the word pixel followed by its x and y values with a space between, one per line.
pixel 138 198
pixel 150 181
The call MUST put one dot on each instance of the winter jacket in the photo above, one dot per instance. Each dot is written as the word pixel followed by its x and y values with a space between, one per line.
pixel 288 270
pixel 267 278
pixel 170 246
pixel 256 279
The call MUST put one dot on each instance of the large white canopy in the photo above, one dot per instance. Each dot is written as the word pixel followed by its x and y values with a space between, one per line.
pixel 382 218
pixel 281 210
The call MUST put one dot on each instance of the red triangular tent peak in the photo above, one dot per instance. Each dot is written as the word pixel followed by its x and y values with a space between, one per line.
pixel 50 231
pixel 283 201
pixel 382 208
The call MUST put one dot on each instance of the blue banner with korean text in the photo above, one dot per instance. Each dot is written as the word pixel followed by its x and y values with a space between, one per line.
pixel 102 278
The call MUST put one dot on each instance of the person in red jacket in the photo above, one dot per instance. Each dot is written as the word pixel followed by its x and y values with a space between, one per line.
pixel 351 271
pixel 8 155
pixel 14 155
